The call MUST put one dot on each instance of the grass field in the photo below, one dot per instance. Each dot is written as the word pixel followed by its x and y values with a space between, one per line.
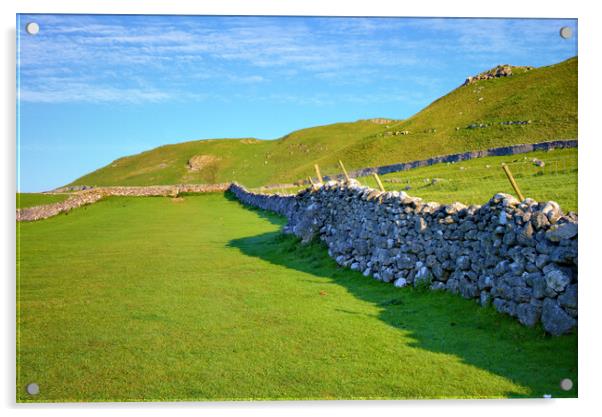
pixel 37 199
pixel 477 180
pixel 201 299
pixel 547 97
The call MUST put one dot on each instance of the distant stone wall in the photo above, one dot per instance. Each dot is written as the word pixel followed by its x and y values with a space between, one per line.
pixel 458 157
pixel 92 195
pixel 519 256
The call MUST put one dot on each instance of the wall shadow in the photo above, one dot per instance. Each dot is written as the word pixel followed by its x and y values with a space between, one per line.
pixel 264 214
pixel 438 321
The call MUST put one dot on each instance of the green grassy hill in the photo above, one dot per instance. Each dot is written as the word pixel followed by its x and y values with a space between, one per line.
pixel 545 97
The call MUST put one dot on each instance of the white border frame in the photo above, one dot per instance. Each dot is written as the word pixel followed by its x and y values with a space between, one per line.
pixel 590 93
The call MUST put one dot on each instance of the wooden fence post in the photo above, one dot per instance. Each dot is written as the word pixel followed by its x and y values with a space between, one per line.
pixel 380 184
pixel 318 173
pixel 344 170
pixel 512 182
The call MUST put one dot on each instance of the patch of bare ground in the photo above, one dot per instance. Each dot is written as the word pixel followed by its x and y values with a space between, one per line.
pixel 199 162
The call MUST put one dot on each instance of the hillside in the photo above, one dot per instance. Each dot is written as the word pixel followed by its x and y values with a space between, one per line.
pixel 528 107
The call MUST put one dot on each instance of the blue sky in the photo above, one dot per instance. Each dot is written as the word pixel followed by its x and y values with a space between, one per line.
pixel 95 88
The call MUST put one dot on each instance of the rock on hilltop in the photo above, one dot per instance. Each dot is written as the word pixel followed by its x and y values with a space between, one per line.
pixel 497 72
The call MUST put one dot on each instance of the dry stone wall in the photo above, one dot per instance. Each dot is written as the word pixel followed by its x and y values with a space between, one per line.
pixel 464 156
pixel 92 195
pixel 521 257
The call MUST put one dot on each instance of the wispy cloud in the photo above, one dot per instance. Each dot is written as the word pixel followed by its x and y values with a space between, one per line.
pixel 90 93
pixel 157 58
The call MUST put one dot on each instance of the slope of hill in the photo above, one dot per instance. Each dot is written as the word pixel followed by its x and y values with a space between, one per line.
pixel 528 107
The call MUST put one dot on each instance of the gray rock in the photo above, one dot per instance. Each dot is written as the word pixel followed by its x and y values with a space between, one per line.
pixel 510 201
pixel 361 247
pixel 503 291
pixel 431 261
pixel 503 218
pixel 499 304
pixel 539 285
pixel 485 282
pixel 552 211
pixel 569 297
pixel 539 220
pixel 557 280
pixel 400 282
pixel 554 319
pixel 468 289
pixel 543 248
pixel 501 268
pixel 542 260
pixel 386 275
pixel 504 306
pixel 558 232
pixel 528 314
pixel 527 232
pixel 405 262
pixel 516 268
pixel 439 273
pixel 564 255
pixel 522 294
pixel 454 208
pixel 509 238
pixel 463 263
pixel 453 286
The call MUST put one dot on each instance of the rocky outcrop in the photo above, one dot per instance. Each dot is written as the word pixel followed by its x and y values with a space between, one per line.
pixel 497 72
pixel 70 188
pixel 381 121
pixel 92 195
pixel 520 257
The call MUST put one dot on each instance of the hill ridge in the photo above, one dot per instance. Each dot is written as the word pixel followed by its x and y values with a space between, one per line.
pixel 530 107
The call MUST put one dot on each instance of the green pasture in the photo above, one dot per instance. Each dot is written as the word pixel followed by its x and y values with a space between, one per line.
pixel 476 181
pixel 25 200
pixel 199 298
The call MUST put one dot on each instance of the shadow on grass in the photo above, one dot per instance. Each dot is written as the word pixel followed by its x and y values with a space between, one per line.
pixel 438 321
pixel 264 214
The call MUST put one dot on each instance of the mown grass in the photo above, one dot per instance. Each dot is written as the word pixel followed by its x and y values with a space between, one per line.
pixel 545 96
pixel 37 199
pixel 201 299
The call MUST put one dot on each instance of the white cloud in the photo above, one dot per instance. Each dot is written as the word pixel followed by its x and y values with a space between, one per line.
pixel 153 59
pixel 91 93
